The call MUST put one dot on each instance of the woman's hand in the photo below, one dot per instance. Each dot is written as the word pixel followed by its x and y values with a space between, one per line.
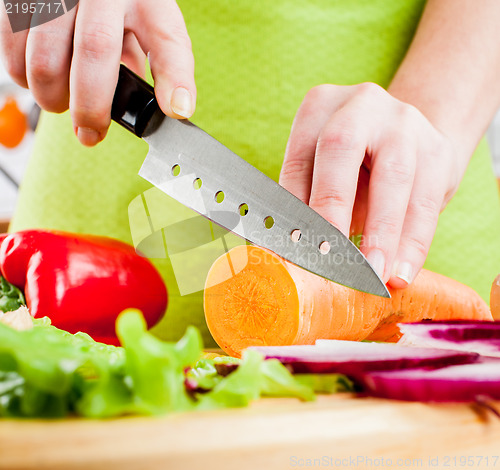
pixel 73 61
pixel 372 164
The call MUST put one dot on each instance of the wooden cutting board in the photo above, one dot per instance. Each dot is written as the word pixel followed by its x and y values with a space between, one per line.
pixel 338 431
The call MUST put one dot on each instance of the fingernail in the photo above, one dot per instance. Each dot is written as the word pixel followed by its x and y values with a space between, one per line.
pixel 181 102
pixel 87 136
pixel 377 260
pixel 404 271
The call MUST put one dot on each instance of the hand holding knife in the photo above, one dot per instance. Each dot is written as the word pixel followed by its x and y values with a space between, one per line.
pixel 198 171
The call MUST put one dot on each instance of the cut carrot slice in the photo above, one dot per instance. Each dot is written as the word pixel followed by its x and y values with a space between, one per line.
pixel 255 298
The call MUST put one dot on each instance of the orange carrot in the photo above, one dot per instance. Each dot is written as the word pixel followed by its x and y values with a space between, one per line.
pixel 495 298
pixel 253 297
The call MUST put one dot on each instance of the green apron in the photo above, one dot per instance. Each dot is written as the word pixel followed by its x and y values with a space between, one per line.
pixel 255 61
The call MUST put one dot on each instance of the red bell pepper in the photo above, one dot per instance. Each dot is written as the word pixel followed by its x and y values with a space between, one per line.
pixel 81 282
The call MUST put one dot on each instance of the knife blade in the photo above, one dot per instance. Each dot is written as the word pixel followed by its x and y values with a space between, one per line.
pixel 198 171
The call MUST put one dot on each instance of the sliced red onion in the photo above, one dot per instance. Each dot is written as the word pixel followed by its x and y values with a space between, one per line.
pixel 192 386
pixel 460 383
pixel 482 337
pixel 354 358
pixel 225 369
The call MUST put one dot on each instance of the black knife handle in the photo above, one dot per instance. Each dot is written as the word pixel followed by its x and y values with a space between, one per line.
pixel 134 102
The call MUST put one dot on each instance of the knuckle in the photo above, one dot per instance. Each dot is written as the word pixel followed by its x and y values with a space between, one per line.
pixel 325 198
pixel 176 32
pixel 338 138
pixel 44 68
pixel 396 170
pixel 308 110
pixel 176 35
pixel 408 121
pixel 294 166
pixel 180 35
pixel 427 208
pixel 90 116
pixel 415 243
pixel 384 225
pixel 408 114
pixel 369 90
pixel 309 107
pixel 317 92
pixel 404 122
pixel 96 39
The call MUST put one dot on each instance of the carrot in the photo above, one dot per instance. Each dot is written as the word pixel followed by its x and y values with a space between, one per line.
pixel 253 297
pixel 495 298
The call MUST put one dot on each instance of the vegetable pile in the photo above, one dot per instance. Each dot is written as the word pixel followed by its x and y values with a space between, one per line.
pixel 253 298
pixel 48 372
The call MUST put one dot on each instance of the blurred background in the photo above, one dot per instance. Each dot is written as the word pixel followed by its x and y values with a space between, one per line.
pixel 19 116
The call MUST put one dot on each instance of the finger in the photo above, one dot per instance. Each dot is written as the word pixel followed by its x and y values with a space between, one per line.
pixel 164 37
pixel 133 55
pixel 13 50
pixel 48 58
pixel 297 170
pixel 391 181
pixel 94 68
pixel 340 150
pixel 418 230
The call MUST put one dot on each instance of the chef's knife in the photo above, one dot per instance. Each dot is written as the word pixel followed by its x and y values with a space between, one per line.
pixel 192 167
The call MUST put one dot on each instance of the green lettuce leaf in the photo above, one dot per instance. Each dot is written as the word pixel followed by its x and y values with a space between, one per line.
pixel 11 298
pixel 156 368
pixel 325 383
pixel 46 372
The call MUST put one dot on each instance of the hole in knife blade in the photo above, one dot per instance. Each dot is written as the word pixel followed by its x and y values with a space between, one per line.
pixel 219 196
pixel 296 235
pixel 197 183
pixel 176 170
pixel 268 222
pixel 243 208
pixel 324 247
